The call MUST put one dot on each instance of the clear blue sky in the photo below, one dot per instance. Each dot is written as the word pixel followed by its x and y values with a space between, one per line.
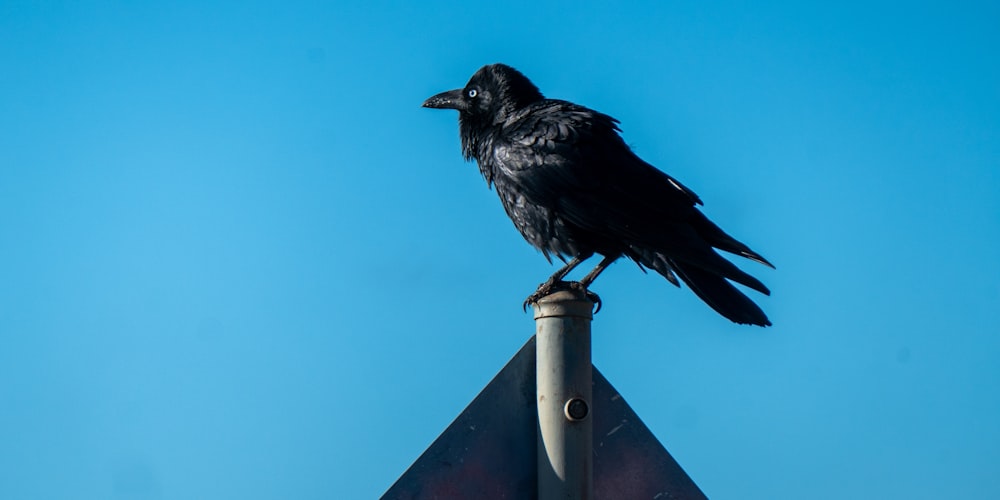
pixel 238 260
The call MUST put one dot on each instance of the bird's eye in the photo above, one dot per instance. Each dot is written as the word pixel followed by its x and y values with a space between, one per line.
pixel 473 92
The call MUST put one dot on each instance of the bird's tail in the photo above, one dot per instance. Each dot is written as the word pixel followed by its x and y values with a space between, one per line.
pixel 714 289
pixel 718 238
pixel 721 295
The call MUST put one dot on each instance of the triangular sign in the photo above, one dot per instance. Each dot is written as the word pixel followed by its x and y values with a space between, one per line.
pixel 489 451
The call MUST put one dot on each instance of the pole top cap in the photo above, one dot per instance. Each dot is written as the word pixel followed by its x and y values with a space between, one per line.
pixel 564 303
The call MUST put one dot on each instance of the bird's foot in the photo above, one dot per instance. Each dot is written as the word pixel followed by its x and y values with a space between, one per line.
pixel 550 287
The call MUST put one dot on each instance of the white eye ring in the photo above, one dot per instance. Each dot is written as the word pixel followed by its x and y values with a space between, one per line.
pixel 473 92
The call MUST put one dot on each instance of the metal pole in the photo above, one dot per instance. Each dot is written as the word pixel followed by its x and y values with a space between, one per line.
pixel 564 381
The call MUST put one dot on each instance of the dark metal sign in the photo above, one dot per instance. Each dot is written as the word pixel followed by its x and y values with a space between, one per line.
pixel 489 451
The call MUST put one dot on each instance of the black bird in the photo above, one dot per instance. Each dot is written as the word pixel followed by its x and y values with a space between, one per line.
pixel 574 189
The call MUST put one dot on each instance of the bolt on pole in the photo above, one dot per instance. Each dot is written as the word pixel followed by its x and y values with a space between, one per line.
pixel 564 396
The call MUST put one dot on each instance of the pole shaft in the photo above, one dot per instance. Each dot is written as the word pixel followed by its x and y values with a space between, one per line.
pixel 564 383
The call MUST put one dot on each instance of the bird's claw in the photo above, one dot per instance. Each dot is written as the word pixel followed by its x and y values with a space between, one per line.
pixel 596 299
pixel 550 287
pixel 542 290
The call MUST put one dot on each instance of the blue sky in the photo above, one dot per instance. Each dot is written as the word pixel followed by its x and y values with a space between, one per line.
pixel 238 260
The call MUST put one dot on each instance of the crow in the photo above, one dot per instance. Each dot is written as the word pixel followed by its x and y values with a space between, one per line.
pixel 574 188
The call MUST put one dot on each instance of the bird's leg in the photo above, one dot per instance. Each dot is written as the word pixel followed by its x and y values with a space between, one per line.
pixel 562 272
pixel 592 275
pixel 597 270
pixel 556 282
pixel 551 284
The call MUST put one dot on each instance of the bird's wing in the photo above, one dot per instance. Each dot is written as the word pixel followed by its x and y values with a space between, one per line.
pixel 572 159
pixel 565 145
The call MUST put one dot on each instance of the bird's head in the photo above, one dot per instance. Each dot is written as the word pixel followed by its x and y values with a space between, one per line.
pixel 492 94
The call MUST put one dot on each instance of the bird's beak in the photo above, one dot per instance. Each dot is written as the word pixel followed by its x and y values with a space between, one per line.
pixel 452 99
